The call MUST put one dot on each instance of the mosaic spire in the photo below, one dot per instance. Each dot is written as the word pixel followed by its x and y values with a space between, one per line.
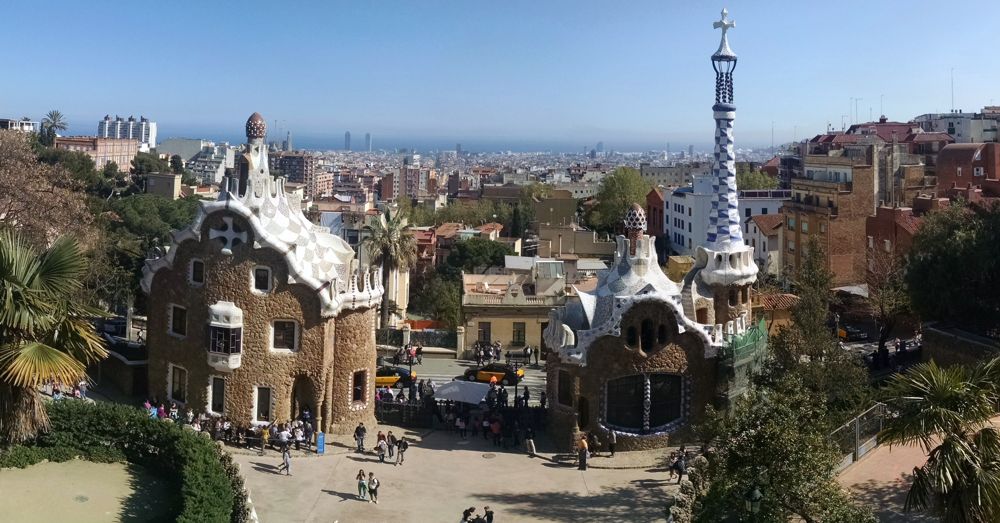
pixel 724 220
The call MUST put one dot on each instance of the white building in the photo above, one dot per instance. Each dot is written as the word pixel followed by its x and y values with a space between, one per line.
pixel 964 127
pixel 673 175
pixel 186 148
pixel 763 233
pixel 24 126
pixel 141 130
pixel 210 165
pixel 687 209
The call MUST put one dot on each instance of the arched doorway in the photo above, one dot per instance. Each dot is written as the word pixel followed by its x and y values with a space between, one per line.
pixel 303 396
pixel 582 412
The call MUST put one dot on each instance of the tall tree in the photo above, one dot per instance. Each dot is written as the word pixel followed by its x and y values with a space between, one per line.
pixel 887 296
pixel 947 411
pixel 44 330
pixel 618 191
pixel 52 123
pixel 391 245
pixel 964 238
pixel 477 255
pixel 749 180
pixel 145 163
pixel 778 443
pixel 39 199
pixel 177 164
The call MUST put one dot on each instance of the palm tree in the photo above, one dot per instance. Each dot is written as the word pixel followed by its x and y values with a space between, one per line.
pixel 44 330
pixel 390 244
pixel 53 121
pixel 947 411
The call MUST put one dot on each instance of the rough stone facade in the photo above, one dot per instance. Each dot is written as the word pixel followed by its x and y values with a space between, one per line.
pixel 681 354
pixel 312 281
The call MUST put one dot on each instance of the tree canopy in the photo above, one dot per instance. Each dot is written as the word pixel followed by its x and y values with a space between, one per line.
pixel 750 180
pixel 477 255
pixel 145 163
pixel 958 240
pixel 618 191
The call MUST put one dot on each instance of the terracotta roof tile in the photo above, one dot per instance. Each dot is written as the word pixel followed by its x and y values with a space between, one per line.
pixel 767 222
pixel 777 302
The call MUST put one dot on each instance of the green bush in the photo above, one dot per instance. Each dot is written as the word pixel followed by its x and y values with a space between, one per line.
pixel 197 469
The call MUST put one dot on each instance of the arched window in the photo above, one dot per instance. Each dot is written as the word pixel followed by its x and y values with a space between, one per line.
pixel 582 412
pixel 630 337
pixel 732 297
pixel 626 408
pixel 746 294
pixel 701 315
pixel 661 334
pixel 648 335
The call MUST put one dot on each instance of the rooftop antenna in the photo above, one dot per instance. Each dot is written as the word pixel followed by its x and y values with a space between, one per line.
pixel 772 136
pixel 881 103
pixel 952 89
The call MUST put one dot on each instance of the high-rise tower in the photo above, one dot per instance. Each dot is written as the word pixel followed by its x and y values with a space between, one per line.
pixel 717 291
pixel 368 142
pixel 347 141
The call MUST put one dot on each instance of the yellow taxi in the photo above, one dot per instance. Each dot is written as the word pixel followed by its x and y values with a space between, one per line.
pixel 503 373
pixel 398 377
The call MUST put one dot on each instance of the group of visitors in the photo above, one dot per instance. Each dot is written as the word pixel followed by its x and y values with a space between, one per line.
pixel 367 486
pixel 410 354
pixel 588 444
pixel 485 352
pixel 60 391
pixel 469 515
pixel 386 445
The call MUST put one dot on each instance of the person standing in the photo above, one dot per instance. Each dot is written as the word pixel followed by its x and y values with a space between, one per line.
pixel 391 440
pixel 536 355
pixel 612 442
pixel 362 484
pixel 582 452
pixel 83 390
pixel 527 354
pixel 460 425
pixel 529 441
pixel 359 436
pixel 542 399
pixel 488 514
pixel 286 458
pixel 372 488
pixel 403 445
pixel 680 466
pixel 527 395
pixel 381 447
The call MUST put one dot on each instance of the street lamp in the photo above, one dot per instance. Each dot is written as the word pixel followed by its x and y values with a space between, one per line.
pixel 753 500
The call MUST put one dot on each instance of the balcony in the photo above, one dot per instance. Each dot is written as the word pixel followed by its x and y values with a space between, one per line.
pixel 812 205
pixel 223 361
pixel 507 299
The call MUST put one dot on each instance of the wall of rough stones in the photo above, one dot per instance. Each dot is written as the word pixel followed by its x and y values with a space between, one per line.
pixel 610 358
pixel 355 351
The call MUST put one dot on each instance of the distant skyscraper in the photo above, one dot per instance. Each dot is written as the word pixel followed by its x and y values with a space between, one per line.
pixel 141 130
pixel 288 141
pixel 368 142
pixel 347 141
pixel 458 149
pixel 690 151
pixel 600 147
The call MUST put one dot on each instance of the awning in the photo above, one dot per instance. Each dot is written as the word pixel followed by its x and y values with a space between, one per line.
pixel 462 391
pixel 857 290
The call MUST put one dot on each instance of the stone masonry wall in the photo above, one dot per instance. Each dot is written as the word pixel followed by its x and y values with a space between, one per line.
pixel 229 278
pixel 355 350
pixel 610 358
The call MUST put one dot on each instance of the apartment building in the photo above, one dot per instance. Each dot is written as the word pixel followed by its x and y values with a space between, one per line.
pixel 141 130
pixel 102 150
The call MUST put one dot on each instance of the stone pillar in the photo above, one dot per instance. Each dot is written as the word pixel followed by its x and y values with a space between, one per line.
pixel 406 334
pixel 460 342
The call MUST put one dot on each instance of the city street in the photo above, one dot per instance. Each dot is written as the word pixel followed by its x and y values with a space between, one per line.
pixel 442 370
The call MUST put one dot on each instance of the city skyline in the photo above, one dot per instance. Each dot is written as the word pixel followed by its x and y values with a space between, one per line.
pixel 498 77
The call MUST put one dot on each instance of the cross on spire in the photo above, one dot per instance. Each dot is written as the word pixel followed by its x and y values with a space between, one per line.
pixel 725 24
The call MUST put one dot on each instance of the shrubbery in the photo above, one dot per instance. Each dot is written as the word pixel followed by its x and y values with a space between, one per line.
pixel 207 481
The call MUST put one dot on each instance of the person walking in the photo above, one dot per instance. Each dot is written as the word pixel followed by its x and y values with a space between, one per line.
pixel 372 488
pixel 582 452
pixel 527 396
pixel 488 514
pixel 392 441
pixel 362 484
pixel 286 458
pixel 381 447
pixel 542 399
pixel 486 427
pixel 527 354
pixel 403 445
pixel 460 426
pixel 359 436
pixel 529 441
pixel 680 466
pixel 612 442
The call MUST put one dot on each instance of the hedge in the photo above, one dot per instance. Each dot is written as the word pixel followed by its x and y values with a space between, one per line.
pixel 208 484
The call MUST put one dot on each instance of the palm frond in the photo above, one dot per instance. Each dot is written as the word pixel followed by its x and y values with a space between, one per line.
pixel 27 364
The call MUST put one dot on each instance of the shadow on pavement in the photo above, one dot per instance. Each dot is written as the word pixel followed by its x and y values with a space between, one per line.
pixel 637 501
pixel 264 467
pixel 887 499
pixel 344 496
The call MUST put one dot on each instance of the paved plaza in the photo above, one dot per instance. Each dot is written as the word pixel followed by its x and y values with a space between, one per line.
pixel 443 475
pixel 443 370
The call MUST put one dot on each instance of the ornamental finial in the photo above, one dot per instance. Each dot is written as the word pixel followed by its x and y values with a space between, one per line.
pixel 725 24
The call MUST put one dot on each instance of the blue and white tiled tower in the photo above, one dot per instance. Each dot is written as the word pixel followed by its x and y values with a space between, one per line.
pixel 717 291
pixel 724 221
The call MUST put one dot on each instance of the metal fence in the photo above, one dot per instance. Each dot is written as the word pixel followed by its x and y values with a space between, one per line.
pixel 403 414
pixel 859 436
pixel 435 338
pixel 392 337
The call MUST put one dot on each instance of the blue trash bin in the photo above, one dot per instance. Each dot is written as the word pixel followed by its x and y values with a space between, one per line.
pixel 320 443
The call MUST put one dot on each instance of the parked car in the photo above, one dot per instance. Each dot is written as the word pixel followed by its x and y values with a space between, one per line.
pixel 398 377
pixel 504 373
pixel 850 333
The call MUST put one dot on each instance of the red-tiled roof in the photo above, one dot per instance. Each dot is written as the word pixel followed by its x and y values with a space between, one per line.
pixel 767 222
pixel 490 227
pixel 777 302
pixel 773 162
pixel 448 229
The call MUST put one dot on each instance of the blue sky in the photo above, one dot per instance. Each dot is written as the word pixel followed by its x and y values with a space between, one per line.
pixel 514 73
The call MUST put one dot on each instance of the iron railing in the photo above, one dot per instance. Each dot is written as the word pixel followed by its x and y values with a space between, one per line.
pixel 859 436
